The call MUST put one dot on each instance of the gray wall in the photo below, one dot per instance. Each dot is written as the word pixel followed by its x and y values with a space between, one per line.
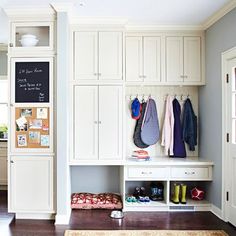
pixel 95 179
pixel 63 171
pixel 219 37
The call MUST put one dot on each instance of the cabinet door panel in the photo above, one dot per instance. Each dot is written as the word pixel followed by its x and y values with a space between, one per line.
pixel 192 59
pixel 152 59
pixel 86 122
pixel 174 59
pixel 85 55
pixel 134 59
pixel 31 185
pixel 110 56
pixel 110 122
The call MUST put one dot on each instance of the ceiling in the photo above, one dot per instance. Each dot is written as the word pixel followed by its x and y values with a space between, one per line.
pixel 161 12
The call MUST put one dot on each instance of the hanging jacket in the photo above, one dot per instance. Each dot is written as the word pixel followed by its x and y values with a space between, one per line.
pixel 179 146
pixel 150 132
pixel 168 127
pixel 189 125
pixel 137 130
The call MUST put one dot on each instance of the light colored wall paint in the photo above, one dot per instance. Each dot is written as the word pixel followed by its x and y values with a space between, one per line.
pixel 95 179
pixel 62 82
pixel 219 38
pixel 3 27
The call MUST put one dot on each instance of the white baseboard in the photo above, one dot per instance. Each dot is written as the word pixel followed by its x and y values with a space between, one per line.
pixel 62 219
pixel 216 211
pixel 35 216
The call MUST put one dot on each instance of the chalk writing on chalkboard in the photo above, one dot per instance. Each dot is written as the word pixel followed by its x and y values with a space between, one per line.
pixel 32 82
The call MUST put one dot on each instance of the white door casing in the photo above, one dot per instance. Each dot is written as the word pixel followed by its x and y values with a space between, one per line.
pixel 231 123
pixel 86 123
pixel 229 141
pixel 110 122
pixel 110 56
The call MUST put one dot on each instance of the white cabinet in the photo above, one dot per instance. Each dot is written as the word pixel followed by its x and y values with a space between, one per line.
pixel 183 59
pixel 97 122
pixel 98 55
pixel 143 59
pixel 31 184
pixel 3 163
pixel 168 172
pixel 86 122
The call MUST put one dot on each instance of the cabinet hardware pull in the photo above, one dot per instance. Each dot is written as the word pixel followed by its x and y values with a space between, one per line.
pixel 146 173
pixel 99 122
pixel 95 74
pixel 12 161
pixel 144 76
pixel 95 122
pixel 11 105
pixel 140 76
pixel 190 173
pixel 99 74
pixel 11 45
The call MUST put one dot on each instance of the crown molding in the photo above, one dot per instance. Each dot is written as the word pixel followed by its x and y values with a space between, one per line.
pixel 138 28
pixel 29 12
pixel 62 6
pixel 219 14
pixel 99 21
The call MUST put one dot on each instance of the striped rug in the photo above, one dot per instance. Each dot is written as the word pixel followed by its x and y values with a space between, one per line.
pixel 145 233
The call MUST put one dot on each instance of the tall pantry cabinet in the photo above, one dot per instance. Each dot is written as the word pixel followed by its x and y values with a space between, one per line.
pixel 31 128
pixel 97 97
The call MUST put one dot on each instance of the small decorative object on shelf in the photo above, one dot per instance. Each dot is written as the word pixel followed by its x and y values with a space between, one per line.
pixel 197 194
pixel 28 40
pixel 140 155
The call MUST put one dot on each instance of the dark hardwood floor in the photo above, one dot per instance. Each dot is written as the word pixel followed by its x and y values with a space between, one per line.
pixel 99 219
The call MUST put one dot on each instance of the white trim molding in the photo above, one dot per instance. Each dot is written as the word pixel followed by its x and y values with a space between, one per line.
pixel 23 13
pixel 62 6
pixel 216 211
pixel 62 219
pixel 225 56
pixel 219 14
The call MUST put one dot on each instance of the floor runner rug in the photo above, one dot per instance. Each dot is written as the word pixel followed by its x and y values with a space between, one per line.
pixel 145 233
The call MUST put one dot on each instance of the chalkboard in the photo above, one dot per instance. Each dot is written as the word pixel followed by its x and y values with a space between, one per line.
pixel 31 82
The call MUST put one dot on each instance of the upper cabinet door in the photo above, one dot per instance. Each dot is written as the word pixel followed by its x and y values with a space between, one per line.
pixel 174 59
pixel 192 59
pixel 110 56
pixel 86 123
pixel 110 122
pixel 152 59
pixel 134 59
pixel 86 55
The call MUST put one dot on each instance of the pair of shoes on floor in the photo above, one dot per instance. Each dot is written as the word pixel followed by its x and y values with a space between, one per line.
pixel 140 195
pixel 179 195
pixel 131 199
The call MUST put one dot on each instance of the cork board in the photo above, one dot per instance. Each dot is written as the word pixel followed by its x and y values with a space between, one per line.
pixel 32 127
